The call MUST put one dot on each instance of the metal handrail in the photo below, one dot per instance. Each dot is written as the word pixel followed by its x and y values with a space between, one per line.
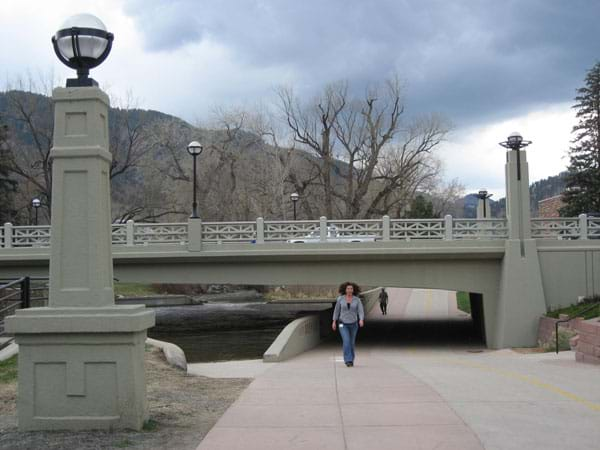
pixel 595 305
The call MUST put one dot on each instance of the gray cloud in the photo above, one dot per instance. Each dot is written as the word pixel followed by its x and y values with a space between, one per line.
pixel 472 60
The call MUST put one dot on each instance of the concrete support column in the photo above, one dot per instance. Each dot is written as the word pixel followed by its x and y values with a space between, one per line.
pixel 521 301
pixel 81 359
pixel 386 228
pixel 518 212
pixel 194 235
pixel 481 209
pixel 8 233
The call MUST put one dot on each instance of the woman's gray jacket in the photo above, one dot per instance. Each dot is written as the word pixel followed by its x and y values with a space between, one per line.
pixel 344 314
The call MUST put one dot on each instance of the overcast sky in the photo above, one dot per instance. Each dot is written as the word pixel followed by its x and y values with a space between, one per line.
pixel 491 67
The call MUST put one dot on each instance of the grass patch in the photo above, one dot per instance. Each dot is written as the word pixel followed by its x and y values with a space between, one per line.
pixel 150 425
pixel 8 370
pixel 575 310
pixel 463 302
pixel 134 289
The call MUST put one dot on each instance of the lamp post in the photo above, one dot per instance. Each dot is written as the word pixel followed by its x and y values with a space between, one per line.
pixel 194 148
pixel 515 142
pixel 36 203
pixel 294 198
pixel 82 43
pixel 88 347
pixel 483 195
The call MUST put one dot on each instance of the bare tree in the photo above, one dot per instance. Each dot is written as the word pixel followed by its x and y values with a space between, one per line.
pixel 365 161
pixel 407 166
pixel 312 126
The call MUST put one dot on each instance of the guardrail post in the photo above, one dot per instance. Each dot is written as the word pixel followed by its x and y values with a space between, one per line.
pixel 129 227
pixel 583 226
pixel 386 228
pixel 323 228
pixel 8 232
pixel 260 230
pixel 448 227
pixel 194 235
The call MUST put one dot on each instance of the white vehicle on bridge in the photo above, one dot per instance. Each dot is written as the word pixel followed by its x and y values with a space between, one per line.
pixel 333 235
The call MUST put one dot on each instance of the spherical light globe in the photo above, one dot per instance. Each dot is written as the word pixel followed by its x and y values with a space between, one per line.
pixel 82 43
pixel 194 148
pixel 90 46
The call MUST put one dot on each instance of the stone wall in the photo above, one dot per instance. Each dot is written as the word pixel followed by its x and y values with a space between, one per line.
pixel 587 342
pixel 547 327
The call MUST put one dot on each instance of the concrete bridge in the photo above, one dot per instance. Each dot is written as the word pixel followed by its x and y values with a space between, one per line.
pixel 511 281
pixel 81 358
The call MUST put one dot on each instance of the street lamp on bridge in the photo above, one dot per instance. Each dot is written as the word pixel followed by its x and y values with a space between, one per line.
pixel 515 142
pixel 294 197
pixel 483 196
pixel 194 148
pixel 36 203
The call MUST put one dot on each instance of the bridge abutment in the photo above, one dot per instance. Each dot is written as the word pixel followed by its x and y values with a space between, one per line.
pixel 521 299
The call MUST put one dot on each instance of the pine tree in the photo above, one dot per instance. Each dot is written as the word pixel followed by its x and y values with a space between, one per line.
pixel 583 180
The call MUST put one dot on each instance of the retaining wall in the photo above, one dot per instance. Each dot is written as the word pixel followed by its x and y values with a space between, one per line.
pixel 587 342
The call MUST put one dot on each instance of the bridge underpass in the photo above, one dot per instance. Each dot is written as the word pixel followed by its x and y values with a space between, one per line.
pixel 422 318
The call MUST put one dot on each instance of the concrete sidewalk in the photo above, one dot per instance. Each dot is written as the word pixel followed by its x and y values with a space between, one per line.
pixel 416 398
pixel 315 402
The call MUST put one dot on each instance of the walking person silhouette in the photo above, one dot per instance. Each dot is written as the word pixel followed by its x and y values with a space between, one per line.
pixel 383 301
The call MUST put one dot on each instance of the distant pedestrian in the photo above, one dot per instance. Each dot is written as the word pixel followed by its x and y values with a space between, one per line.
pixel 350 313
pixel 383 301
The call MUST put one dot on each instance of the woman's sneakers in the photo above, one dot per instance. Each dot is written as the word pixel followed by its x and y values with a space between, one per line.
pixel 349 364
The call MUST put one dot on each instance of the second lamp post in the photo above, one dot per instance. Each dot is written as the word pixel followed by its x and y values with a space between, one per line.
pixel 294 198
pixel 36 203
pixel 194 148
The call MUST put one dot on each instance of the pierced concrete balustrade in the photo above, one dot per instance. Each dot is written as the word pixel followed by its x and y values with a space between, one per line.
pixel 262 231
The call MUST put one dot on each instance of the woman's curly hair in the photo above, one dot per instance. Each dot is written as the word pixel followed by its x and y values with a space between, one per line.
pixel 342 288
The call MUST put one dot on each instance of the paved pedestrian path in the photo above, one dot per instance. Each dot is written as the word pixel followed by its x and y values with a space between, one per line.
pixel 408 397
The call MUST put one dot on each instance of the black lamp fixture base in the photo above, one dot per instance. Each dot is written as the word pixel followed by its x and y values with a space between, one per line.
pixel 81 82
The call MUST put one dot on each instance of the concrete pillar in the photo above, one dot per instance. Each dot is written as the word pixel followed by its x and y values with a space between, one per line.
pixel 323 228
pixel 386 228
pixel 194 235
pixel 260 230
pixel 81 359
pixel 8 233
pixel 448 227
pixel 130 231
pixel 583 226
pixel 518 213
pixel 521 295
pixel 481 209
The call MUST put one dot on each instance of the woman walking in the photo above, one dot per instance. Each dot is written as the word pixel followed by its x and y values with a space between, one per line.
pixel 350 313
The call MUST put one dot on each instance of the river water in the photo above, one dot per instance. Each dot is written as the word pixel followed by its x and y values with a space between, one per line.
pixel 226 331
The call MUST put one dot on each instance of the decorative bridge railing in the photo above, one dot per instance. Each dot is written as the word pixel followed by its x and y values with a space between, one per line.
pixel 262 231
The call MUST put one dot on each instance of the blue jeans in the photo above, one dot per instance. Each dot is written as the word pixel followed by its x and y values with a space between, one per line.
pixel 348 333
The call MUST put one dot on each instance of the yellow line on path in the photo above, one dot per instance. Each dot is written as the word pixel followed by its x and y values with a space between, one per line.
pixel 530 380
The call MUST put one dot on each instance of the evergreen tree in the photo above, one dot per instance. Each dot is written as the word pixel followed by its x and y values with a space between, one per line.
pixel 583 180
pixel 7 185
pixel 420 208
